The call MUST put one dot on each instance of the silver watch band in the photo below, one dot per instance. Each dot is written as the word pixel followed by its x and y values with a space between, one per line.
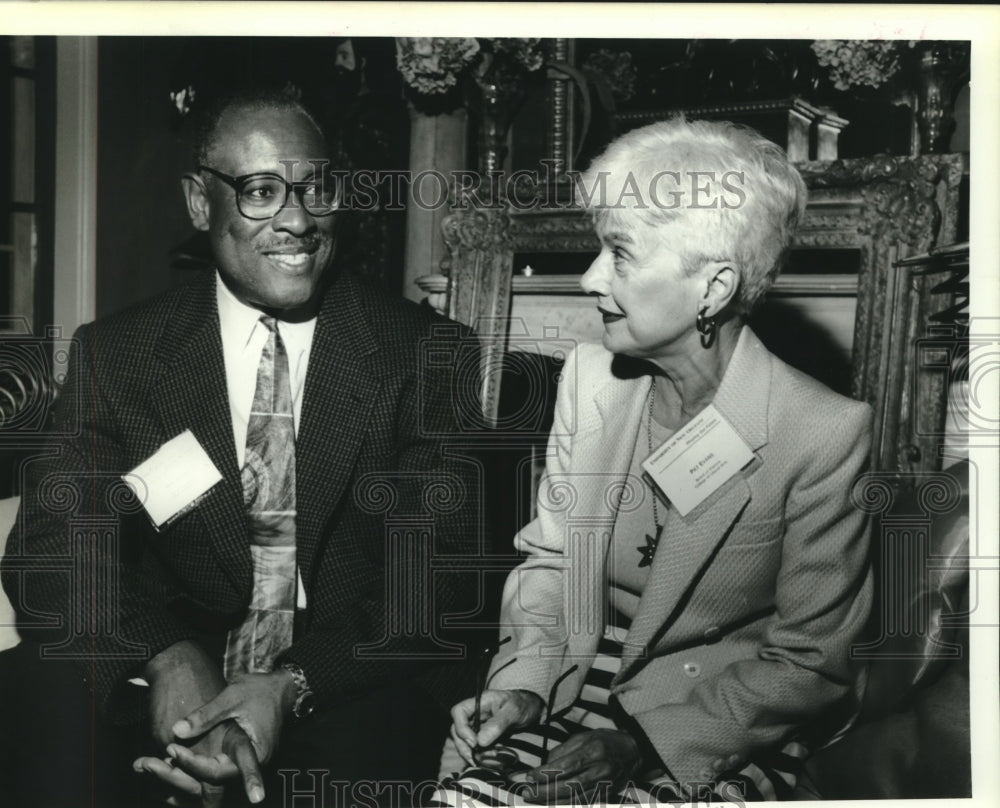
pixel 305 701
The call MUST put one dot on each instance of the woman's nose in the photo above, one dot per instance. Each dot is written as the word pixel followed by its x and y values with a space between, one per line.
pixel 595 279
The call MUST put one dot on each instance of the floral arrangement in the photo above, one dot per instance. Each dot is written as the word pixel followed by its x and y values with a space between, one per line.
pixel 528 53
pixel 860 62
pixel 435 65
pixel 616 68
pixel 432 65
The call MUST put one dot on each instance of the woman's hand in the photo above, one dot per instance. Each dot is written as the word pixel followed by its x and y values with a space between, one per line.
pixel 596 762
pixel 500 711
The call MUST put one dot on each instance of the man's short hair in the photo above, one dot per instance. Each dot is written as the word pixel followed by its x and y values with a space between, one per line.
pixel 727 192
pixel 206 117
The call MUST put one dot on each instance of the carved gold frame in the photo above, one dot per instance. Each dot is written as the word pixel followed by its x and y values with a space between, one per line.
pixel 886 208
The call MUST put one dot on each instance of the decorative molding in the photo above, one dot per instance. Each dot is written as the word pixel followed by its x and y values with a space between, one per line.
pixel 899 197
pixel 891 208
pixel 560 129
pixel 478 265
pixel 553 231
pixel 794 104
pixel 809 130
pixel 485 229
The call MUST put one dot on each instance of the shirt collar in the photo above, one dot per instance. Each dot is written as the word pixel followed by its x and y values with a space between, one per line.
pixel 237 320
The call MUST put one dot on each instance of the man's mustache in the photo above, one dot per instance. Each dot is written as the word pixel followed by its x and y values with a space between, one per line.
pixel 308 245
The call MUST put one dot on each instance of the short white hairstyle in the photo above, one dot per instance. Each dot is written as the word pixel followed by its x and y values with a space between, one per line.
pixel 725 192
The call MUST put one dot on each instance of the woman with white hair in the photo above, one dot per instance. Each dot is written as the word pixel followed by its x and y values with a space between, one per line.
pixel 697 572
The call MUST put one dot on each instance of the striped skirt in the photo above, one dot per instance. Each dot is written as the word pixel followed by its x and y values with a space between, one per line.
pixel 772 775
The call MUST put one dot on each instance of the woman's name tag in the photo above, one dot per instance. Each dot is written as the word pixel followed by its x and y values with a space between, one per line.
pixel 695 462
pixel 173 479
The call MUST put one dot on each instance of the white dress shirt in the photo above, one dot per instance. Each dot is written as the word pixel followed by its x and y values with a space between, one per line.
pixel 243 338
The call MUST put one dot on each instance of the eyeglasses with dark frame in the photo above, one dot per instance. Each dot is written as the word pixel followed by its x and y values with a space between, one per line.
pixel 261 195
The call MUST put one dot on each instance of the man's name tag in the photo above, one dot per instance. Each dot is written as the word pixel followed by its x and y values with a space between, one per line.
pixel 174 479
pixel 694 462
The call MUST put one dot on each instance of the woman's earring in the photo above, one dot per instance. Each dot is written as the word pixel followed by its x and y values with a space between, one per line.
pixel 706 327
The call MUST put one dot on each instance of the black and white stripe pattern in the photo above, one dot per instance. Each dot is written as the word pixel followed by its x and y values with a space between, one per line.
pixel 771 776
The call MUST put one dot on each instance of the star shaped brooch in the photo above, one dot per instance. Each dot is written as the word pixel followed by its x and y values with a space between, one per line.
pixel 648 550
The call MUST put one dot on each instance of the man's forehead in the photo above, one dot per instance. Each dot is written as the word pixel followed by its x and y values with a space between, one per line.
pixel 250 140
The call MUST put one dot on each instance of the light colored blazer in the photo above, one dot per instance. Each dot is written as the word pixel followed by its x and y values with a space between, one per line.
pixel 743 633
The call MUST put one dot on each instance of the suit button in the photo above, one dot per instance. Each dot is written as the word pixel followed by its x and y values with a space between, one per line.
pixel 706 774
pixel 733 761
pixel 692 669
pixel 719 764
pixel 712 633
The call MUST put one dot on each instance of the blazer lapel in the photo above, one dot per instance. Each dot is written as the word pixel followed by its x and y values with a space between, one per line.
pixel 688 543
pixel 605 440
pixel 610 443
pixel 342 385
pixel 191 394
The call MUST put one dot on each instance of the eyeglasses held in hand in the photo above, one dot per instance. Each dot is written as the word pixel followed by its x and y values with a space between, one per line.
pixel 262 195
pixel 483 665
pixel 550 708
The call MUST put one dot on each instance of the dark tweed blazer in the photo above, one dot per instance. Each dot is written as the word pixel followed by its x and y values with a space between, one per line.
pixel 379 407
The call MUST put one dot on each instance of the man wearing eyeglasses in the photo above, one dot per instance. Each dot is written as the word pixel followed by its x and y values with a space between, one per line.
pixel 255 619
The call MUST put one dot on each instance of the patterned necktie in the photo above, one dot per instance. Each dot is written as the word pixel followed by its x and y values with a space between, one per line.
pixel 269 495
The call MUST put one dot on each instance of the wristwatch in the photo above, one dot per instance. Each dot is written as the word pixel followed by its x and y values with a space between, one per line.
pixel 305 701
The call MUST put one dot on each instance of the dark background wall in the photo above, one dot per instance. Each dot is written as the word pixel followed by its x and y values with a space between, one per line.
pixel 142 144
pixel 141 214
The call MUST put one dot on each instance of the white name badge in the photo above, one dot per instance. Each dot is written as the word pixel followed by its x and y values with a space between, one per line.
pixel 174 479
pixel 694 462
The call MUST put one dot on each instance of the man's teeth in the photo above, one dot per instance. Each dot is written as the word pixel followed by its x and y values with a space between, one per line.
pixel 290 260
